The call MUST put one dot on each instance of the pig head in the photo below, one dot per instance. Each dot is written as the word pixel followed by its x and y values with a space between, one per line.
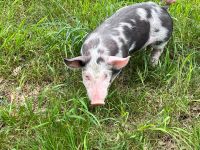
pixel 97 74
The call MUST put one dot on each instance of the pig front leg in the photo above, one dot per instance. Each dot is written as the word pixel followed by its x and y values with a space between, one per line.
pixel 156 53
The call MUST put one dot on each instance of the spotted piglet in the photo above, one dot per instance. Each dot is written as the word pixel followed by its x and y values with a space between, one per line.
pixel 106 50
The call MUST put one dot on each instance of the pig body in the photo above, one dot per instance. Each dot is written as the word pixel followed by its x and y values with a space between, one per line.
pixel 131 28
pixel 106 50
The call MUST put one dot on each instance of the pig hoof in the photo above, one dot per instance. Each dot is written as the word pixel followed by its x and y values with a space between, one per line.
pixel 154 62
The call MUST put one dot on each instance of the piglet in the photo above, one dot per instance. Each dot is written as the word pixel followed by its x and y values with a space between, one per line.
pixel 105 51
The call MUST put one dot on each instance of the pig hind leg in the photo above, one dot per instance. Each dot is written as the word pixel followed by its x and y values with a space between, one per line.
pixel 158 48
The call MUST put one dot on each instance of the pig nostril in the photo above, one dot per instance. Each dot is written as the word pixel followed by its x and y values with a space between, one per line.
pixel 98 104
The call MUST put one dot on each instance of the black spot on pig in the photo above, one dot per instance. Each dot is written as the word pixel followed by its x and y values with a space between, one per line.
pixel 93 43
pixel 148 10
pixel 167 22
pixel 140 34
pixel 111 45
pixel 156 30
pixel 125 51
pixel 124 48
pixel 158 43
pixel 99 60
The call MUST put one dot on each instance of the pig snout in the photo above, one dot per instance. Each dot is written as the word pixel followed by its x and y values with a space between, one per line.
pixel 97 90
pixel 97 98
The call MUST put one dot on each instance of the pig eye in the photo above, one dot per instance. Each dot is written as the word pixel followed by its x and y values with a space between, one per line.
pixel 105 76
pixel 87 77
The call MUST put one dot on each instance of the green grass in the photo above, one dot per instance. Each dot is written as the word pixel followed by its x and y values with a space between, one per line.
pixel 43 105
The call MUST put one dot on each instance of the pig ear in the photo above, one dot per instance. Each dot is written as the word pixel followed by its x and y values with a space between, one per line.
pixel 117 62
pixel 77 62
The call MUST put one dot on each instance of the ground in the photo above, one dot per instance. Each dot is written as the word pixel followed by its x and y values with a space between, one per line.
pixel 43 104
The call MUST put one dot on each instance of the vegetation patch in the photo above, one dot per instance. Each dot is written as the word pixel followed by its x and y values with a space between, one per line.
pixel 43 104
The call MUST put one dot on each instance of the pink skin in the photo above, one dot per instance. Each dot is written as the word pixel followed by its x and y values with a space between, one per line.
pixel 97 88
